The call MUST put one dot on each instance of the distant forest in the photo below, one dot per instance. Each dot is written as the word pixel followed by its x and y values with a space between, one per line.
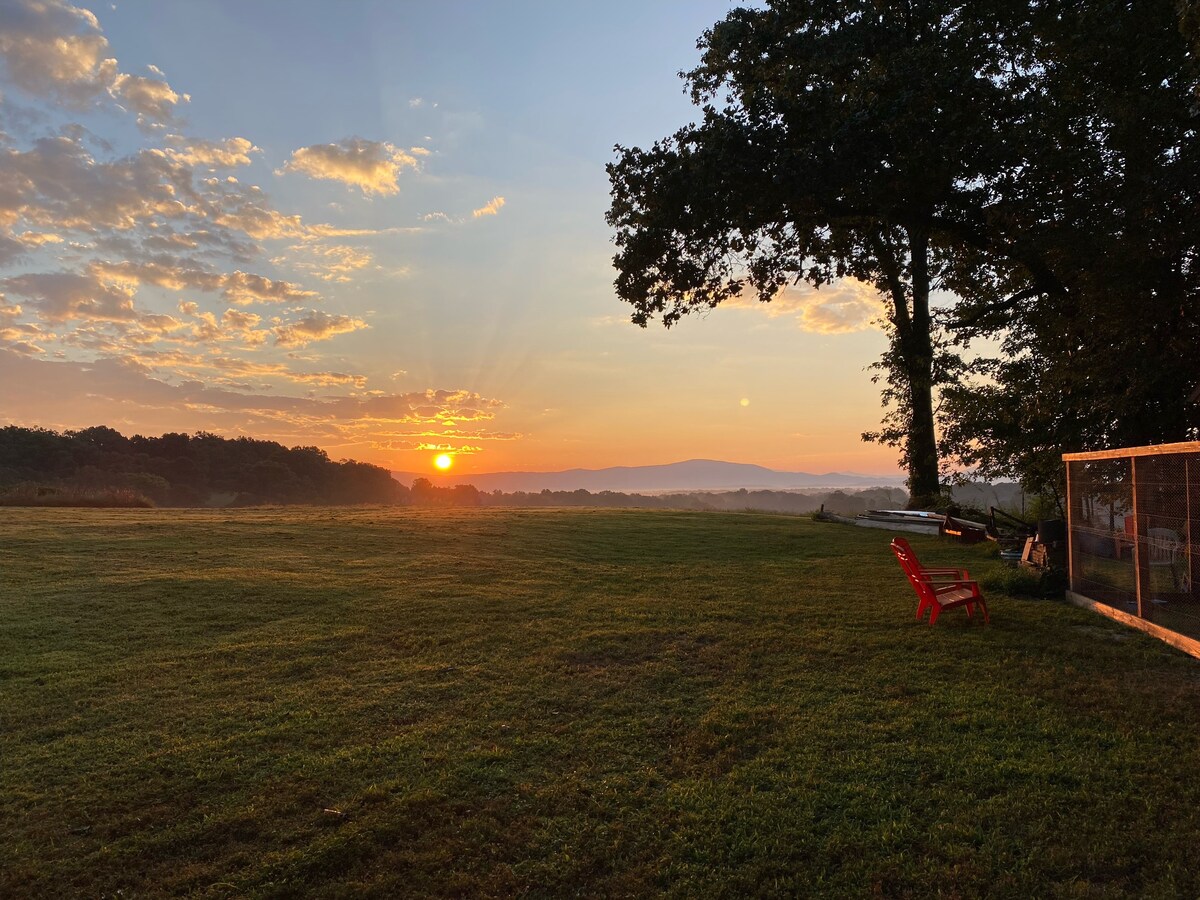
pixel 423 493
pixel 100 466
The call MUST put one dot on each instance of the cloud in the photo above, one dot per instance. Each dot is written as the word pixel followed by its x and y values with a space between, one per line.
pixel 315 326
pixel 151 99
pixel 54 50
pixel 331 262
pixel 491 208
pixel 371 166
pixel 237 287
pixel 243 367
pixel 19 336
pixel 58 184
pixel 243 287
pixel 126 391
pixel 63 296
pixel 843 307
pixel 225 154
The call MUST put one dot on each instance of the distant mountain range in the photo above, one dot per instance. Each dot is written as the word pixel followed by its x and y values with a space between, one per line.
pixel 692 475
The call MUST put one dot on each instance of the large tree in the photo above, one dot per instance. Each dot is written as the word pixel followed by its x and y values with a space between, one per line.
pixel 1035 158
pixel 1109 201
pixel 838 139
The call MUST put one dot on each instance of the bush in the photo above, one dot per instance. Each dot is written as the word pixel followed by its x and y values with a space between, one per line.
pixel 29 494
pixel 1021 581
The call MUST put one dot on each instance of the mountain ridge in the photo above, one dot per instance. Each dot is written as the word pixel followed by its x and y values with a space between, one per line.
pixel 691 474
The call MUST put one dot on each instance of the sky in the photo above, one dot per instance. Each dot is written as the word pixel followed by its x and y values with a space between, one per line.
pixel 378 228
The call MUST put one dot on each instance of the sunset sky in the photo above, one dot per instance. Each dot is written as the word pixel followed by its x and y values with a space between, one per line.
pixel 378 228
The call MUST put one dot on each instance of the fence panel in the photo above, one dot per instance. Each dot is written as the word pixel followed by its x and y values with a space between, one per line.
pixel 1131 520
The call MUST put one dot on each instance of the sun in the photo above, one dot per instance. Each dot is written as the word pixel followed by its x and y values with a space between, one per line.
pixel 443 461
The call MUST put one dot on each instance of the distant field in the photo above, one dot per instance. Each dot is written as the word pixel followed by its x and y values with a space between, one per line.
pixel 473 703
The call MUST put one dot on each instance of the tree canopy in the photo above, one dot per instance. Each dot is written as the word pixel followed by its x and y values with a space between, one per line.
pixel 1109 201
pixel 973 148
pixel 189 470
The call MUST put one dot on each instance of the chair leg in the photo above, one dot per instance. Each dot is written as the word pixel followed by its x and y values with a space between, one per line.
pixel 934 612
pixel 983 606
pixel 970 610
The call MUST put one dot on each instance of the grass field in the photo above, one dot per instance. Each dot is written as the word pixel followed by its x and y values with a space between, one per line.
pixel 558 703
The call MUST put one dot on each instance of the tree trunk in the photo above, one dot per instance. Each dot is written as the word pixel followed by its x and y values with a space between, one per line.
pixel 916 349
pixel 913 362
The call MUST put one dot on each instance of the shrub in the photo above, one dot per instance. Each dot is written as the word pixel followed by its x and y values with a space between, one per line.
pixel 30 494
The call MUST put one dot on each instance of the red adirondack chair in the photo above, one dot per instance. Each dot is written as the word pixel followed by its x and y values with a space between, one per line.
pixel 929 570
pixel 938 589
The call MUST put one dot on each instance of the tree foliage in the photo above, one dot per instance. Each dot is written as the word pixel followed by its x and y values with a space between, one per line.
pixel 1107 199
pixel 848 139
pixel 189 470
pixel 1036 160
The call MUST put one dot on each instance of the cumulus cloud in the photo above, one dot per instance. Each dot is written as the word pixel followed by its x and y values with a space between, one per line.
pixel 63 296
pixel 371 166
pixel 243 288
pixel 152 99
pixel 491 208
pixel 58 184
pixel 55 50
pixel 225 154
pixel 314 326
pixel 843 307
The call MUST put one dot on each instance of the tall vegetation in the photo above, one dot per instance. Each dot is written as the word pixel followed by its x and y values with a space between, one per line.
pixel 182 470
pixel 1033 159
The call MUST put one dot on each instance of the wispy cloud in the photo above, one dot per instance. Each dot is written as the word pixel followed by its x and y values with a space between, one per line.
pixel 491 208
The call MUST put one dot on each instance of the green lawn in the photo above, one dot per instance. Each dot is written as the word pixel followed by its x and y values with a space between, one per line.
pixel 562 702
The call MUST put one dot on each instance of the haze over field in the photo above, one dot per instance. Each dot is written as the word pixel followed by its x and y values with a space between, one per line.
pixel 693 474
pixel 379 229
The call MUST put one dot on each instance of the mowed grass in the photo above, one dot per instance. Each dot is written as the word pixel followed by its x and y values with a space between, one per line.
pixel 564 702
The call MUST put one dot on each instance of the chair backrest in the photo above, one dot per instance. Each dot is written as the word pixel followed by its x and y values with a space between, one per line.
pixel 904 545
pixel 1163 544
pixel 906 558
pixel 912 568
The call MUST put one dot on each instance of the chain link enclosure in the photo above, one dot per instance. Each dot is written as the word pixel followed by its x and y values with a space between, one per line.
pixel 1131 515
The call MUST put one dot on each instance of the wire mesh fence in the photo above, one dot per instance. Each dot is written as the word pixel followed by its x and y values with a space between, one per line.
pixel 1131 517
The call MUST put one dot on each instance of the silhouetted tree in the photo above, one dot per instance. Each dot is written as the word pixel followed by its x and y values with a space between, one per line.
pixel 188 470
pixel 838 139
pixel 1037 159
pixel 1109 199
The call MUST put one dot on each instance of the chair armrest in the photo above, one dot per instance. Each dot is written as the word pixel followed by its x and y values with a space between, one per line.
pixel 943 587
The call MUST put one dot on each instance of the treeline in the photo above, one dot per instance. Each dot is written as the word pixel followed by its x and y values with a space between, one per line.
pixel 101 466
pixel 424 493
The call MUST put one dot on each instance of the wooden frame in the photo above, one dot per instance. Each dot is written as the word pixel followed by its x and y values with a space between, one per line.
pixel 1143 619
pixel 1152 450
pixel 1188 645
